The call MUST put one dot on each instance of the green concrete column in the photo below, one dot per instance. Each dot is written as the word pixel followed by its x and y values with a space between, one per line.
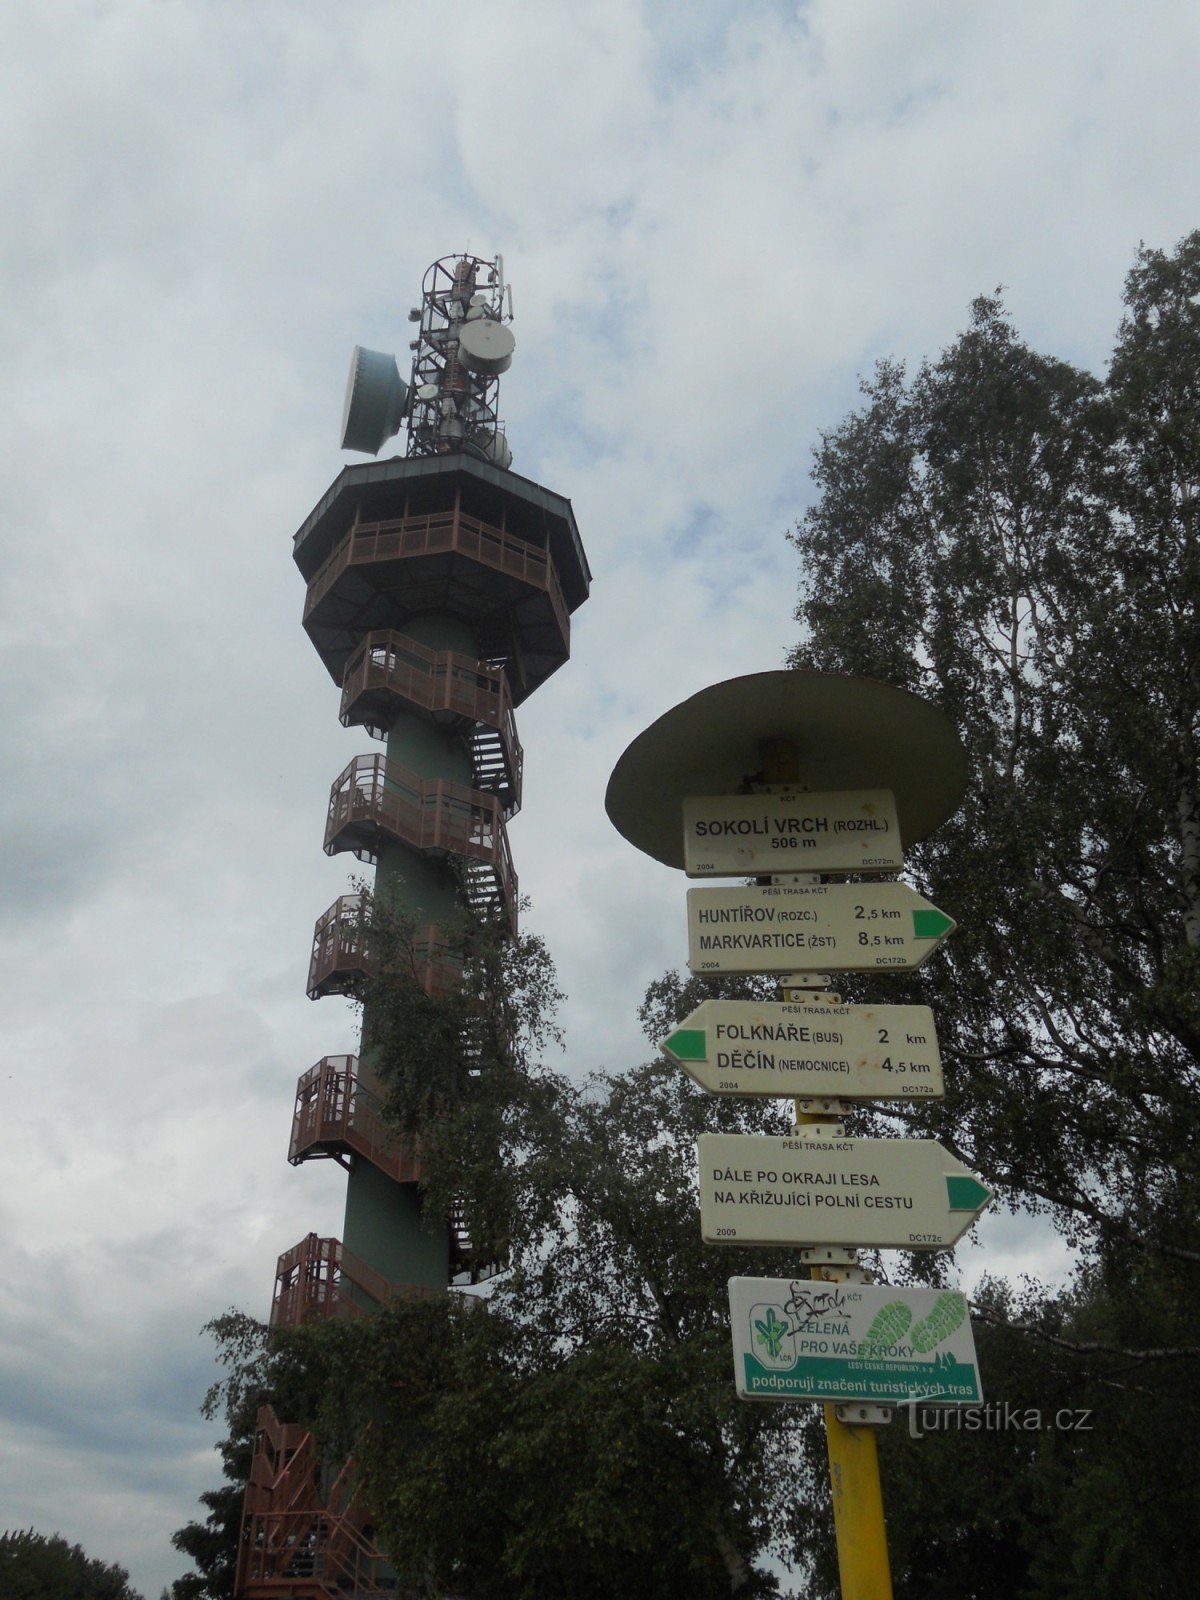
pixel 384 1225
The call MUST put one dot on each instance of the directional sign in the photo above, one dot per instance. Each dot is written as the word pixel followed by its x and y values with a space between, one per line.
pixel 904 1194
pixel 840 927
pixel 851 1052
pixel 845 1342
pixel 790 830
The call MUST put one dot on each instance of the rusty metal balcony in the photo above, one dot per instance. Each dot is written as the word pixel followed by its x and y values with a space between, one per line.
pixel 319 1279
pixel 381 572
pixel 341 953
pixel 338 1116
pixel 390 671
pixel 375 800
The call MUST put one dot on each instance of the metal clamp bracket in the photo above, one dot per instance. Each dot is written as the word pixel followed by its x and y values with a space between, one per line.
pixel 822 1107
pixel 844 1275
pixel 829 1255
pixel 864 1416
pixel 807 989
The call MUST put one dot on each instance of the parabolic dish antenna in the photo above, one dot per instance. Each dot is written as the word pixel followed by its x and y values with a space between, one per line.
pixel 847 733
pixel 376 398
pixel 486 346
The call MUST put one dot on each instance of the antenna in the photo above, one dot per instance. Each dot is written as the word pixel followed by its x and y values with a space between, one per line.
pixel 376 401
pixel 462 347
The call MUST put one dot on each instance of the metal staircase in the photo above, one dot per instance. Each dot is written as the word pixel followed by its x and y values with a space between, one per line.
pixel 391 671
pixel 298 1541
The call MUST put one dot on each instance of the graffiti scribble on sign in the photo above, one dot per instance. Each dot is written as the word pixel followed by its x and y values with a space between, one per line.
pixel 808 1303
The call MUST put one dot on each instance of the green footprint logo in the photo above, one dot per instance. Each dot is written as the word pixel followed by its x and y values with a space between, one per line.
pixel 890 1326
pixel 949 1312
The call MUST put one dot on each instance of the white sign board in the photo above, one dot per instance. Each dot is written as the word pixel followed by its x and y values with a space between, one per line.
pixel 844 1342
pixel 847 1052
pixel 901 1194
pixel 788 830
pixel 834 927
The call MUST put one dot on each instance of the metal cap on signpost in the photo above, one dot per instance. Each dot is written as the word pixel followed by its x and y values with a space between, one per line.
pixel 846 733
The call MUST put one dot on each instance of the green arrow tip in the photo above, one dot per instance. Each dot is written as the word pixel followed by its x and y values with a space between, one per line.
pixel 931 924
pixel 967 1194
pixel 687 1044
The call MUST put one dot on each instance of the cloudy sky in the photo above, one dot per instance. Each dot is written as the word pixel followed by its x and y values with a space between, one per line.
pixel 716 215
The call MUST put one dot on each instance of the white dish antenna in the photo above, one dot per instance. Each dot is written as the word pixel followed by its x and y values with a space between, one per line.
pixel 486 347
pixel 376 401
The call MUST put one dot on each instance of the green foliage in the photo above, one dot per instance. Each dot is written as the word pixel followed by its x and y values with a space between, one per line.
pixel 1071 1481
pixel 581 1436
pixel 1017 541
pixel 578 1433
pixel 506 1468
pixel 285 1370
pixel 462 1069
pixel 36 1566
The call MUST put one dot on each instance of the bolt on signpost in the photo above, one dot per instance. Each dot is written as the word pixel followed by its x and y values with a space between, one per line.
pixel 790 777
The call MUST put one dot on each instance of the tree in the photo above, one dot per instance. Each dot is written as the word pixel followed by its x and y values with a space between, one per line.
pixel 37 1566
pixel 1017 541
pixel 580 1435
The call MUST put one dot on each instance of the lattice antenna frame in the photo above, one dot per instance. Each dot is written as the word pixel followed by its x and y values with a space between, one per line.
pixel 455 389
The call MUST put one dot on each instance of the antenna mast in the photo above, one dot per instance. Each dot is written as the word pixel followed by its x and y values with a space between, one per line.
pixel 463 346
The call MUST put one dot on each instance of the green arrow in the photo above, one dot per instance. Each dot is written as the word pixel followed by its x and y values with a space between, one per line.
pixel 967 1194
pixel 688 1044
pixel 931 924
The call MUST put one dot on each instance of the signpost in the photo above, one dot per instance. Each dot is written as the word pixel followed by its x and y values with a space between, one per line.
pixel 791 830
pixel 809 1051
pixel 846 1342
pixel 806 773
pixel 843 927
pixel 902 1194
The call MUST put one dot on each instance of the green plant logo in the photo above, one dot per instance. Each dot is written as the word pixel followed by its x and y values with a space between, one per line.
pixel 769 1332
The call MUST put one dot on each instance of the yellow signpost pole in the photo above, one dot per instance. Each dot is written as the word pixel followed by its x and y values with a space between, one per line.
pixel 863 1568
pixel 857 1510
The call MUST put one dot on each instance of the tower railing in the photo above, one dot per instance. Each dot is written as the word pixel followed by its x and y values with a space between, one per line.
pixel 391 666
pixel 339 1117
pixel 319 1279
pixel 341 953
pixel 442 533
pixel 375 797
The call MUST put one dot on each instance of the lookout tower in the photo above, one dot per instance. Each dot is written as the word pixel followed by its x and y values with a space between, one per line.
pixel 440 586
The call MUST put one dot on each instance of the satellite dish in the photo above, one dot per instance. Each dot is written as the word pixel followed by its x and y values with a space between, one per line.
pixel 497 450
pixel 428 391
pixel 376 399
pixel 486 347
